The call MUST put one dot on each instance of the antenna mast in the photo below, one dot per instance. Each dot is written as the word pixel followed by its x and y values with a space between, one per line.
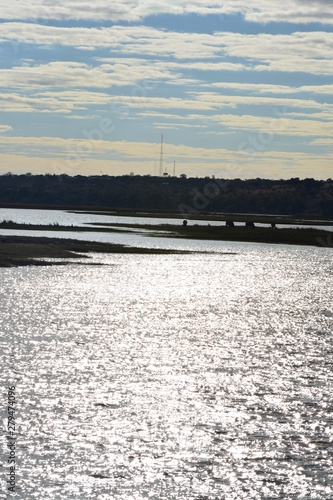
pixel 161 157
pixel 174 168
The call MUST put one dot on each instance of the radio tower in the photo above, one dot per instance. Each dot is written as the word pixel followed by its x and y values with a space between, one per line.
pixel 174 168
pixel 161 157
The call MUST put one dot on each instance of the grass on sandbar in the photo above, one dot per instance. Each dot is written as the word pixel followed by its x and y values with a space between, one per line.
pixel 26 250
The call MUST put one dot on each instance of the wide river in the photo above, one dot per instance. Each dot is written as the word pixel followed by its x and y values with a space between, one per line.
pixel 199 376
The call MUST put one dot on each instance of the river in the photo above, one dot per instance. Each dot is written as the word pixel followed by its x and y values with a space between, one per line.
pixel 200 376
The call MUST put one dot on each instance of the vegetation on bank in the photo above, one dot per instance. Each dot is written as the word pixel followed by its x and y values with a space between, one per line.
pixel 8 224
pixel 26 250
pixel 185 197
pixel 249 232
pixel 19 250
pixel 288 236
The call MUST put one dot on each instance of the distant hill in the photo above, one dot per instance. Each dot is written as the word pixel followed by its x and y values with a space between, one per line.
pixel 296 197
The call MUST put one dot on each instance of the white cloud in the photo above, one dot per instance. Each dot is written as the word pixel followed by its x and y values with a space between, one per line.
pixel 70 9
pixel 13 102
pixel 70 101
pixel 142 151
pixel 308 52
pixel 74 74
pixel 144 62
pixel 262 11
pixel 282 126
pixel 262 88
pixel 294 11
pixel 125 39
pixel 5 128
pixel 176 126
pixel 66 156
pixel 280 123
pixel 220 100
pixel 323 141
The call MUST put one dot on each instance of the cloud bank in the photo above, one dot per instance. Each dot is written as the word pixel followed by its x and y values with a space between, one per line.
pixel 66 66
pixel 298 52
pixel 258 11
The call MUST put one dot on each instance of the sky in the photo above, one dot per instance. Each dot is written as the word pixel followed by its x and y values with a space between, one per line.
pixel 238 88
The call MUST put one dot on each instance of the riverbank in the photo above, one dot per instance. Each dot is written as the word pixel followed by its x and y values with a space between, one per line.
pixel 201 215
pixel 217 217
pixel 287 236
pixel 26 250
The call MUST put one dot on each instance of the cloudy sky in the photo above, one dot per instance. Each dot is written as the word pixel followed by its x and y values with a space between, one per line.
pixel 238 88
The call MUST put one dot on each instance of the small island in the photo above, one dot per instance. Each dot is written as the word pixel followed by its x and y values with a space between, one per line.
pixel 32 250
pixel 37 251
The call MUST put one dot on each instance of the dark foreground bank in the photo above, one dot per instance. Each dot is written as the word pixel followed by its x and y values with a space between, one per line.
pixel 26 250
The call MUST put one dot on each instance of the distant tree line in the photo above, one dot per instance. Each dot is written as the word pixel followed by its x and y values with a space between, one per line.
pixel 193 195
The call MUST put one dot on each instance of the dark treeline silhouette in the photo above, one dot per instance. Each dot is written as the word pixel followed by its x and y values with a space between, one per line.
pixel 194 195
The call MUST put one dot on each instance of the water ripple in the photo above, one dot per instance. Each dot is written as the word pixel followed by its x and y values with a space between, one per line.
pixel 180 377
